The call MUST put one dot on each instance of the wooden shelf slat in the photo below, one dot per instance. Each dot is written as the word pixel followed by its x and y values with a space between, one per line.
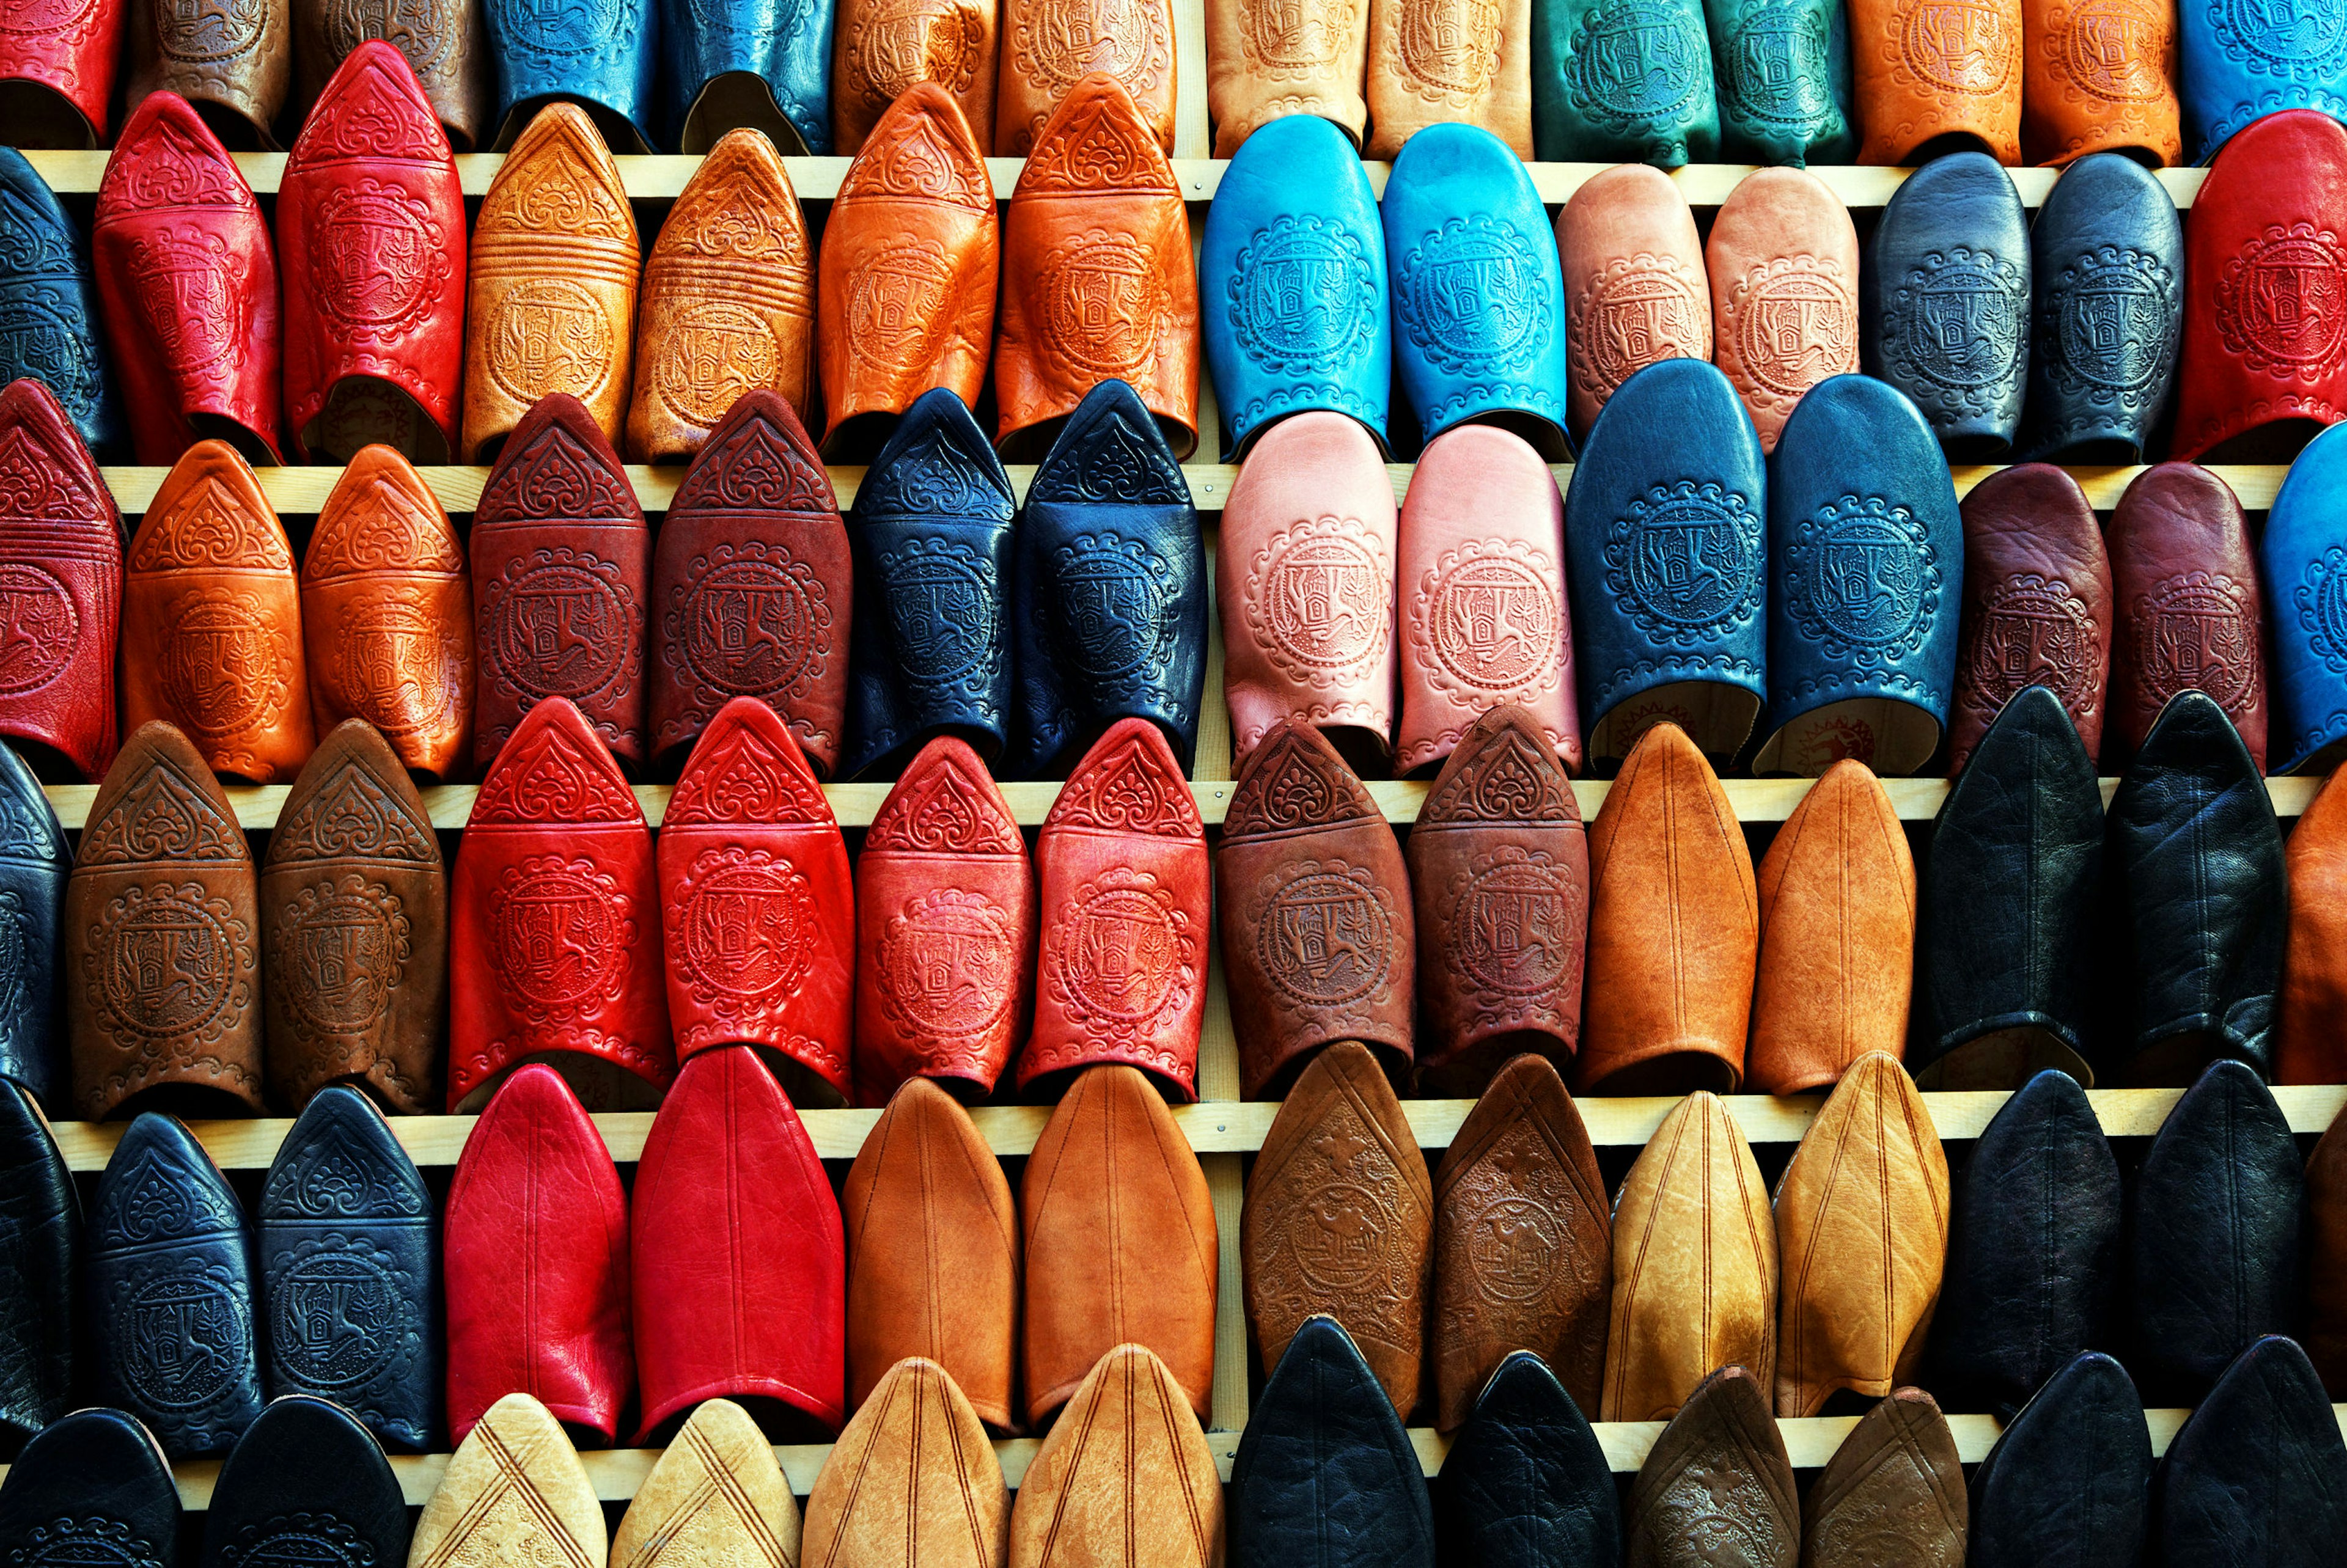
pixel 301 491
pixel 660 176
pixel 1223 1127
pixel 617 1474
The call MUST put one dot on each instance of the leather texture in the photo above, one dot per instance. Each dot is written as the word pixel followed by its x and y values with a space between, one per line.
pixel 355 931
pixel 1455 65
pixel 1480 544
pixel 1304 575
pixel 728 303
pixel 1945 293
pixel 752 581
pixel 945 931
pixel 1857 492
pixel 162 869
pixel 2196 911
pixel 882 50
pixel 211 622
pixel 57 82
pixel 1837 899
pixel 2006 970
pixel 2241 67
pixel 536 1195
pixel 1292 277
pixel 35 866
pixel 1110 618
pixel 1049 46
pixel 932 1253
pixel 1673 929
pixel 599 62
pixel 1694 1267
pixel 2186 604
pixel 350 1277
pixel 2254 1475
pixel 1478 293
pixel 562 559
pixel 932 543
pixel 737 1263
pixel 1266 60
pixel 48 299
pixel 907 271
pixel 1098 282
pixel 2212 1249
pixel 1895 1484
pixel 1634 288
pixel 2068 1476
pixel 1318 942
pixel 1782 260
pixel 2311 1022
pixel 2323 1329
pixel 235 66
pixel 371 250
pixel 912 1483
pixel 2036 605
pixel 1716 1484
pixel 387 615
pixel 1783 78
pixel 1927 81
pixel 447 47
pixel 172 1301
pixel 306 1474
pixel 514 1492
pixel 2265 225
pixel 2299 570
pixel 1622 81
pixel 1525 1480
pixel 1124 894
pixel 2106 256
pixel 1118 1233
pixel 1667 554
pixel 758 913
pixel 187 288
pixel 1499 876
pixel 1339 1221
pixel 1124 1477
pixel 764 65
pixel 93 1482
pixel 2096 81
pixel 1862 1238
pixel 1325 1476
pixel 552 286
pixel 40 1222
pixel 715 1494
pixel 552 909
pixel 1524 1248
pixel 2034 1250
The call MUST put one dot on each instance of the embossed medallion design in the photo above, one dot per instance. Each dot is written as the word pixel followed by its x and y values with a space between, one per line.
pixel 749 924
pixel 165 961
pixel 1866 584
pixel 1686 561
pixel 2302 40
pixel 1959 324
pixel 945 613
pixel 39 630
pixel 1642 308
pixel 1102 302
pixel 2197 631
pixel 946 963
pixel 710 355
pixel 560 931
pixel 562 622
pixel 1055 44
pixel 1473 297
pixel 342 946
pixel 227 665
pixel 2114 49
pixel 1967 47
pixel 1633 65
pixel 1492 618
pixel 1451 47
pixel 748 618
pixel 1122 956
pixel 1295 38
pixel 549 334
pixel 1778 70
pixel 2282 302
pixel 2110 325
pixel 1319 604
pixel 1116 595
pixel 1325 935
pixel 401 669
pixel 2033 631
pixel 896 304
pixel 378 260
pixel 182 1336
pixel 1303 296
pixel 205 32
pixel 333 1315
pixel 1517 923
pixel 1795 324
pixel 902 42
pixel 413 27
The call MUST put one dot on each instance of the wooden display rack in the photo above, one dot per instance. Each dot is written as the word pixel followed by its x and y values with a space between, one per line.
pixel 1219 1128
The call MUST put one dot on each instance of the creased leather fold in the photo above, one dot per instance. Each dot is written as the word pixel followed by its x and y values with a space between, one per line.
pixel 40 1222
pixel 912 1483
pixel 1782 262
pixel 2036 604
pixel 2256 1471
pixel 1530 1476
pixel 762 65
pixel 2068 1475
pixel 1123 1476
pixel 2185 607
pixel 2311 1018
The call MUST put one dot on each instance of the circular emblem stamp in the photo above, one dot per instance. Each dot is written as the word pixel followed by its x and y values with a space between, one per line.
pixel 1321 599
pixel 1516 925
pixel 412 26
pixel 166 960
pixel 748 624
pixel 1299 36
pixel 1511 1247
pixel 908 41
pixel 192 291
pixel 398 667
pixel 2301 39
pixel 1338 1238
pixel 340 950
pixel 558 932
pixel 1121 950
pixel 1686 560
pixel 338 1317
pixel 2281 303
pixel 2114 319
pixel 1959 326
pixel 2033 631
pixel 298 1540
pixel 38 18
pixel 1795 325
pixel 1303 297
pixel 548 334
pixel 1644 308
pixel 949 963
pixel 1777 68
pixel 204 32
pixel 1864 579
pixel 897 304
pixel 1114 593
pixel 39 630
pixel 1102 302
pixel 560 628
pixel 183 1336
pixel 1969 46
pixel 1325 938
pixel 713 354
pixel 749 924
pixel 564 29
pixel 2198 632
pixel 1473 296
pixel 1635 62
pixel 225 668
pixel 2115 49
pixel 82 1543
pixel 377 259
pixel 1451 46
pixel 945 612
pixel 1060 42
pixel 1493 620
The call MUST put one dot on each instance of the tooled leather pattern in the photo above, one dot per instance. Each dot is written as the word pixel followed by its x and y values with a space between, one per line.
pixel 1125 1008
pixel 381 529
pixel 742 930
pixel 1319 598
pixel 557 478
pixel 946 811
pixel 938 477
pixel 1341 1229
pixel 756 467
pixel 1295 786
pixel 47 481
pixel 1509 780
pixel 1118 466
pixel 2031 629
pixel 1528 979
pixel 171 169
pixel 920 161
pixel 1096 150
pixel 1129 790
pixel 1489 618
pixel 51 338
pixel 552 777
pixel 353 815
pixel 164 817
pixel 743 778
pixel 212 526
pixel 1517 1213
pixel 564 186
